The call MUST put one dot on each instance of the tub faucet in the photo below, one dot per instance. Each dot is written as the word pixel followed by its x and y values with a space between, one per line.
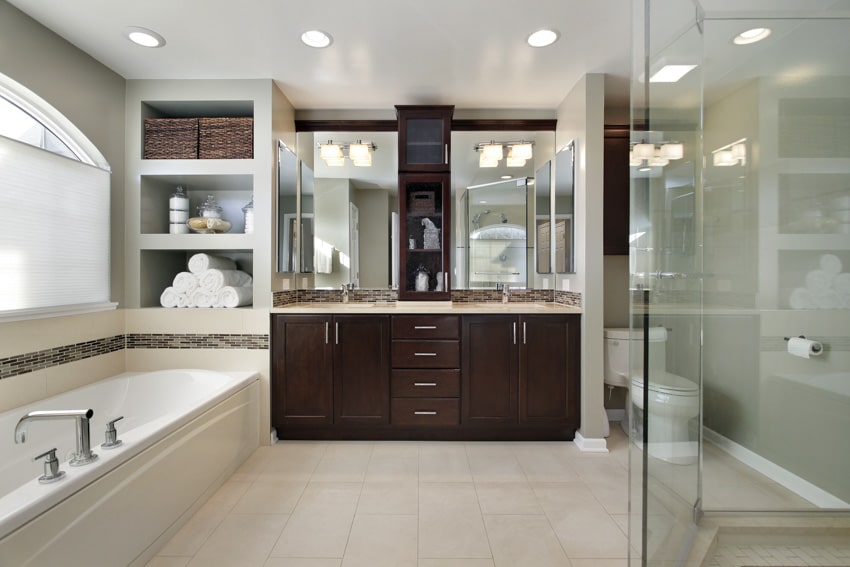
pixel 84 454
pixel 506 293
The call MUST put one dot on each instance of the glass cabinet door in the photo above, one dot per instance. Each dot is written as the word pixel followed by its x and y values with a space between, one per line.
pixel 424 259
pixel 424 135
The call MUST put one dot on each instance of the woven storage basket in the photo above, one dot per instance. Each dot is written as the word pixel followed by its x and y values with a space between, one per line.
pixel 420 202
pixel 226 138
pixel 171 138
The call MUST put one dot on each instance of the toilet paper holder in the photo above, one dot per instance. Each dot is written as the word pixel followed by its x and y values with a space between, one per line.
pixel 816 348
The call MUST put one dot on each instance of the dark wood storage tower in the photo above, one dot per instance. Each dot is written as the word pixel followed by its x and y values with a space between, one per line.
pixel 424 202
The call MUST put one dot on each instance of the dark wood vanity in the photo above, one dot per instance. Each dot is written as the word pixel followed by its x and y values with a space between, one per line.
pixel 475 376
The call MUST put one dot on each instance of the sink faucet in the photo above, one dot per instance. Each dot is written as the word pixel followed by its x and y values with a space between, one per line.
pixel 344 289
pixel 506 293
pixel 84 454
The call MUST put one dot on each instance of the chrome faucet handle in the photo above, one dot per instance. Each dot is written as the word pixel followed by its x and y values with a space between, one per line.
pixel 111 437
pixel 51 467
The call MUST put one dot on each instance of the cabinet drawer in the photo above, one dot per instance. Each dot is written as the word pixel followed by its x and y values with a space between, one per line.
pixel 425 411
pixel 426 354
pixel 426 327
pixel 426 383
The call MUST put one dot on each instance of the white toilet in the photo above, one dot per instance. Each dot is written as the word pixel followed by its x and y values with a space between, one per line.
pixel 673 400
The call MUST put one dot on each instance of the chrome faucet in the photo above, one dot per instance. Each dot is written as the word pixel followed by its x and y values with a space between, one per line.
pixel 84 454
pixel 344 289
pixel 506 293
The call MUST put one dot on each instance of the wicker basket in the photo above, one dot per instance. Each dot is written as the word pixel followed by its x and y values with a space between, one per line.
pixel 226 138
pixel 420 202
pixel 171 138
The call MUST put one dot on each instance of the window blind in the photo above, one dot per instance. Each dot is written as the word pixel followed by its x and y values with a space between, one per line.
pixel 54 230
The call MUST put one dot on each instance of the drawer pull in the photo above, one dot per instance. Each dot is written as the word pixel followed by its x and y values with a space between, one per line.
pixel 424 383
pixel 425 327
pixel 424 354
pixel 424 413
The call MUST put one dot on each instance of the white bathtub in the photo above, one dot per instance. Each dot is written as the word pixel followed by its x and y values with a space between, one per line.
pixel 183 432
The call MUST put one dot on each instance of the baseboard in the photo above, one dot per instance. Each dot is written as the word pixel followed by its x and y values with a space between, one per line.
pixel 616 414
pixel 817 496
pixel 590 445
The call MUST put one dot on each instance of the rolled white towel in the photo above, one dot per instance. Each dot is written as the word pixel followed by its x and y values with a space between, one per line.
pixel 185 282
pixel 230 296
pixel 213 280
pixel 819 280
pixel 202 298
pixel 829 299
pixel 170 297
pixel 801 298
pixel 201 262
pixel 841 283
pixel 830 263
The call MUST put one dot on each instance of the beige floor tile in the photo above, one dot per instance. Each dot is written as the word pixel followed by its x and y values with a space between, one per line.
pixel 389 498
pixel 391 461
pixel 611 492
pixel 382 541
pixel 292 460
pixel 320 524
pixel 622 520
pixel 524 540
pixel 443 462
pixel 590 535
pixel 189 538
pixel 544 462
pixel 600 562
pixel 253 465
pixel 450 522
pixel 426 562
pixel 343 462
pixel 556 497
pixel 507 498
pixel 168 562
pixel 494 462
pixel 270 497
pixel 241 540
pixel 302 562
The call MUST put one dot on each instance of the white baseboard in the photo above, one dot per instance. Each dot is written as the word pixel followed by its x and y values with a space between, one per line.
pixel 774 472
pixel 616 414
pixel 590 445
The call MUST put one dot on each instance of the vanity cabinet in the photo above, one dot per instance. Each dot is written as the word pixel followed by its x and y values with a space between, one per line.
pixel 424 138
pixel 331 369
pixel 521 370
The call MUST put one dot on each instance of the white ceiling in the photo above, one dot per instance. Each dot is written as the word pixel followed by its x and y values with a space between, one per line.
pixel 470 53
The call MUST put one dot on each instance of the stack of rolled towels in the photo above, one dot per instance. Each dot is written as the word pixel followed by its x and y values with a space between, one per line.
pixel 212 281
pixel 826 287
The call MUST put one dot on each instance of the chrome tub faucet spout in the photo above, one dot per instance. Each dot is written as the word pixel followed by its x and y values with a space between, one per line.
pixel 84 454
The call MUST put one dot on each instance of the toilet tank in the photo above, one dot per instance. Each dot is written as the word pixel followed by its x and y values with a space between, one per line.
pixel 617 343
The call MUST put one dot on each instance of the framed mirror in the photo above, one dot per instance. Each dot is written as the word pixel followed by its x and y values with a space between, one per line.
pixel 287 209
pixel 543 198
pixel 563 195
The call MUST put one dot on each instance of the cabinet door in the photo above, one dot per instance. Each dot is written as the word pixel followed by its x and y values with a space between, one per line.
pixel 361 369
pixel 616 192
pixel 302 370
pixel 425 216
pixel 489 392
pixel 424 135
pixel 549 370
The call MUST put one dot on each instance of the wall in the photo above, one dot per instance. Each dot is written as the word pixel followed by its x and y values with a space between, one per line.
pixel 581 118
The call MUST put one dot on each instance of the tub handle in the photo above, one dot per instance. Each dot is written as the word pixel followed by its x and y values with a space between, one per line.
pixel 111 437
pixel 51 467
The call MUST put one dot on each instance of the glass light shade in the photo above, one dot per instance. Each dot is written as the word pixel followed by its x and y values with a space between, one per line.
pixel 363 162
pixel 491 151
pixel 335 162
pixel 513 161
pixel 739 151
pixel 672 151
pixel 330 151
pixel 724 158
pixel 644 151
pixel 521 151
pixel 633 161
pixel 484 161
pixel 359 152
pixel 658 161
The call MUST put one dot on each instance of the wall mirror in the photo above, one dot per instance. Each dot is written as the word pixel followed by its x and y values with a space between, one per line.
pixel 287 209
pixel 347 213
pixel 563 197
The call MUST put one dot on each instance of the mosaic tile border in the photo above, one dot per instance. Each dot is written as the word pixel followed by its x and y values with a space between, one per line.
pixel 284 298
pixel 47 358
pixel 778 344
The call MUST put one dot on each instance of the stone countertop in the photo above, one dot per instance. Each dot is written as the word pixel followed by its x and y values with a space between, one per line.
pixel 429 307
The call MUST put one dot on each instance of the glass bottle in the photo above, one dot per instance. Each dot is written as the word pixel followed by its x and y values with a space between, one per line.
pixel 209 209
pixel 178 212
pixel 248 213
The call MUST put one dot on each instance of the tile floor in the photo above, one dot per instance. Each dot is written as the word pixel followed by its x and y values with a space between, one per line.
pixel 430 504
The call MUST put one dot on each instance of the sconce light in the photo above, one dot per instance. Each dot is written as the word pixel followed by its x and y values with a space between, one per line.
pixel 730 154
pixel 492 153
pixel 656 155
pixel 359 152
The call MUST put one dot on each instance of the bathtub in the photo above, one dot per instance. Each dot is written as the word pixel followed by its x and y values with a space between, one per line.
pixel 183 433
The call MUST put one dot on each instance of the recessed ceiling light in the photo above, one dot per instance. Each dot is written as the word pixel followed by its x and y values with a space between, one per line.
pixel 751 36
pixel 144 37
pixel 506 177
pixel 670 73
pixel 542 38
pixel 316 38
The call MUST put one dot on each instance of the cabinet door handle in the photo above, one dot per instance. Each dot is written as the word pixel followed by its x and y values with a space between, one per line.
pixel 336 332
pixel 514 325
pixel 524 335
pixel 424 354
pixel 446 153
pixel 326 332
pixel 424 383
pixel 423 327
pixel 445 281
pixel 424 413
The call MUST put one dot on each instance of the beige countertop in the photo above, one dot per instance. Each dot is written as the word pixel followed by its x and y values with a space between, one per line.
pixel 430 307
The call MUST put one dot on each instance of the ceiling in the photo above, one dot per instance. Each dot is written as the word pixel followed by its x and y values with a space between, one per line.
pixel 470 53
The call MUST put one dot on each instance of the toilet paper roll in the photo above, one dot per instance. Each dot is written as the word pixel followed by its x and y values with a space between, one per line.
pixel 804 348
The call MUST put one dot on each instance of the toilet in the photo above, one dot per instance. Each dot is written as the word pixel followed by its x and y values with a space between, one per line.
pixel 673 399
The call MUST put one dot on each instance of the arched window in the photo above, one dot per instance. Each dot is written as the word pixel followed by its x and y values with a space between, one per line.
pixel 54 211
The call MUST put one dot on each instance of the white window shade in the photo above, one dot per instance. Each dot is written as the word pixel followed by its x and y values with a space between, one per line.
pixel 54 231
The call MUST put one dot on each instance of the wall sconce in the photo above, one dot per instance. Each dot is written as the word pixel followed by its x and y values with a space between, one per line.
pixel 492 153
pixel 359 152
pixel 655 155
pixel 730 154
